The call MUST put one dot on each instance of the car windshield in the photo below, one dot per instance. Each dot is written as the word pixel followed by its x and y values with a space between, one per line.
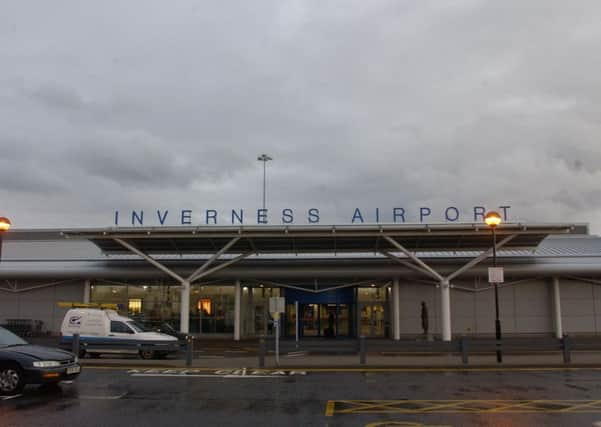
pixel 7 338
pixel 136 326
pixel 167 327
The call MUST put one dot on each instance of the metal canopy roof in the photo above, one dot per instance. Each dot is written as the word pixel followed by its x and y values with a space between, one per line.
pixel 309 239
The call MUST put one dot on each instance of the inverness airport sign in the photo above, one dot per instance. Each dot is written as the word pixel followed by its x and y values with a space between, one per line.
pixel 285 216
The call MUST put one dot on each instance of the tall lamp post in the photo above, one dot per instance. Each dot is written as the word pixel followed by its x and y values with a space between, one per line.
pixel 4 226
pixel 493 219
pixel 264 158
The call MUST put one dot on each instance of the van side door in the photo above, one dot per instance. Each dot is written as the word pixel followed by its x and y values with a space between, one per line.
pixel 122 337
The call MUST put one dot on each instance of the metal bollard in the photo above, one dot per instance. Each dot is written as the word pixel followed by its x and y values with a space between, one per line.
pixel 567 355
pixel 465 350
pixel 262 351
pixel 362 350
pixel 75 345
pixel 189 350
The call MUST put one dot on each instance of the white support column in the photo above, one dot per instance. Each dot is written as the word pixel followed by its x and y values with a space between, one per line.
pixel 184 320
pixel 251 312
pixel 445 310
pixel 87 289
pixel 396 309
pixel 557 308
pixel 237 310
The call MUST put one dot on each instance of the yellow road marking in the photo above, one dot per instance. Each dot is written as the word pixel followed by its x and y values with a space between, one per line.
pixel 402 423
pixel 460 406
pixel 330 408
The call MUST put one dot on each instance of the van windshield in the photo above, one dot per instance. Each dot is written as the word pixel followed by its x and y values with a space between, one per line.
pixel 136 326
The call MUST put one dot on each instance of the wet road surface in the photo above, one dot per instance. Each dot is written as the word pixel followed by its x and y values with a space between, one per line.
pixel 102 397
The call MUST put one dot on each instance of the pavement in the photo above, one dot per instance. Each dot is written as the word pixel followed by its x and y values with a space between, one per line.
pixel 295 361
pixel 227 354
pixel 116 397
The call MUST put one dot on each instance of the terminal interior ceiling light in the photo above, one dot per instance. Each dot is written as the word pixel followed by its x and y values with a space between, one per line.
pixel 492 219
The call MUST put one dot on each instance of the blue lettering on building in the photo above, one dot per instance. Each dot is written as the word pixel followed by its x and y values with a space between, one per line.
pixel 479 212
pixel 357 216
pixel 287 216
pixel 163 217
pixel 261 216
pixel 398 213
pixel 137 217
pixel 451 214
pixel 186 217
pixel 360 215
pixel 211 215
pixel 238 216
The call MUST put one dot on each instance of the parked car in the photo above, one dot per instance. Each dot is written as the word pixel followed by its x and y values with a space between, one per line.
pixel 22 363
pixel 166 328
pixel 105 331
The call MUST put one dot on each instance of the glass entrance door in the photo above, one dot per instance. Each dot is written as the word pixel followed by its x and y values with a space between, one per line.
pixel 310 320
pixel 372 320
pixel 326 314
pixel 323 320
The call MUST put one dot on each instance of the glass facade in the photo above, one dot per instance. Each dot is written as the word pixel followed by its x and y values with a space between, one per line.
pixel 211 307
pixel 341 313
pixel 373 314
pixel 260 317
pixel 151 305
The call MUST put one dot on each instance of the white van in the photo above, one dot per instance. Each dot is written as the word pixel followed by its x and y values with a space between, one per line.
pixel 105 331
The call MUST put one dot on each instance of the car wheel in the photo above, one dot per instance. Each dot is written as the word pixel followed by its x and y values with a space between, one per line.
pixel 146 354
pixel 11 380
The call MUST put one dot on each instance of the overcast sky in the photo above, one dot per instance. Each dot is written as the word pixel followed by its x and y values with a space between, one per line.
pixel 152 105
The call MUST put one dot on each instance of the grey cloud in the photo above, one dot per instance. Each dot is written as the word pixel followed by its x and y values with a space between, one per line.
pixel 360 104
pixel 53 96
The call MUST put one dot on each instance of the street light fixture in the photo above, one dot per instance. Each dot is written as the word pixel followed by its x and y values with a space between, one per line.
pixel 264 158
pixel 493 219
pixel 4 226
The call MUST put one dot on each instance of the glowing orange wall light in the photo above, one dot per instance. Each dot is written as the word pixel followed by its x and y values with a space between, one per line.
pixel 4 223
pixel 492 219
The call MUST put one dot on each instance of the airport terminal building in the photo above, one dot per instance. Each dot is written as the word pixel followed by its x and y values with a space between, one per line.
pixel 337 281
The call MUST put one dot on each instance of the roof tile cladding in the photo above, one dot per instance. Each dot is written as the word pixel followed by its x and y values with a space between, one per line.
pixel 553 246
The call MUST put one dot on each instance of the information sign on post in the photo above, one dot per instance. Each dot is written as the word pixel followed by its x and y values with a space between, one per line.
pixel 277 305
pixel 496 275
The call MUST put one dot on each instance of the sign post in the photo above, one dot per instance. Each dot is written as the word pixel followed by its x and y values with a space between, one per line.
pixel 277 305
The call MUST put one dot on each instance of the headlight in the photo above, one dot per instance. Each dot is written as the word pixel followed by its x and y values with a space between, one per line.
pixel 76 360
pixel 46 364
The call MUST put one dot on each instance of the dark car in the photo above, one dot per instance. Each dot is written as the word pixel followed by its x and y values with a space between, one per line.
pixel 166 328
pixel 22 363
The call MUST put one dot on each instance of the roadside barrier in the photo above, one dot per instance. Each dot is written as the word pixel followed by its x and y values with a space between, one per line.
pixel 462 346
